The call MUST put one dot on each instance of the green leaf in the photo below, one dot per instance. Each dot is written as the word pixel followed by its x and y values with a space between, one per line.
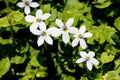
pixel 18 59
pixel 34 61
pixel 46 8
pixel 66 77
pixel 111 75
pixel 4 66
pixel 83 78
pixel 5 41
pixel 105 58
pixel 4 22
pixel 13 1
pixel 117 23
pixel 103 4
pixel 15 17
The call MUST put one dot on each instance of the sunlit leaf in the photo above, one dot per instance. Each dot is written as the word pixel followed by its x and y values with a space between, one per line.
pixel 117 23
pixel 106 58
pixel 4 66
pixel 4 22
pixel 18 59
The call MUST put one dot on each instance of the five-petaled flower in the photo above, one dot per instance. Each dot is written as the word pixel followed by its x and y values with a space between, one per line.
pixel 79 37
pixel 27 4
pixel 44 34
pixel 88 58
pixel 65 29
pixel 37 20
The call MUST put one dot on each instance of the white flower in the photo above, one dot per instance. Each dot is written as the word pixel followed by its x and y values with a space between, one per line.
pixel 27 4
pixel 44 35
pixel 64 29
pixel 79 37
pixel 89 58
pixel 37 20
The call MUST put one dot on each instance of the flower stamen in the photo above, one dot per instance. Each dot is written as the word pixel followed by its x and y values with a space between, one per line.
pixel 88 58
pixel 26 2
pixel 37 20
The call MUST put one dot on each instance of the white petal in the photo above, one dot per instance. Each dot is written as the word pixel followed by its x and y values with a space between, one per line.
pixel 49 40
pixel 56 32
pixel 27 10
pixel 83 54
pixel 30 18
pixel 45 16
pixel 73 30
pixel 82 29
pixel 33 29
pixel 59 23
pixel 89 65
pixel 75 42
pixel 34 4
pixel 53 30
pixel 40 40
pixel 83 43
pixel 65 37
pixel 80 60
pixel 20 4
pixel 87 35
pixel 91 54
pixel 94 61
pixel 42 26
pixel 39 13
pixel 69 22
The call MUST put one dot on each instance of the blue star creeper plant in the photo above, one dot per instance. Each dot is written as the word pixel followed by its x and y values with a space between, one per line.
pixel 88 58
pixel 37 20
pixel 27 4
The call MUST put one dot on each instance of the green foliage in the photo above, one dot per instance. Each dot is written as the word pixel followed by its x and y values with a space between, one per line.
pixel 102 3
pixel 4 22
pixel 117 23
pixel 22 59
pixel 4 66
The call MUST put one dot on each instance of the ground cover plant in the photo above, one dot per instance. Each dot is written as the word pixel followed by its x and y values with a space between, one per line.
pixel 59 40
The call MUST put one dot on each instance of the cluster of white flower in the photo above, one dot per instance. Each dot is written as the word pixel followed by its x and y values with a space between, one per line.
pixel 38 27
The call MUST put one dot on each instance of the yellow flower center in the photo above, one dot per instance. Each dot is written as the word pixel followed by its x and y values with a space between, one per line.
pixel 79 36
pixel 88 58
pixel 45 33
pixel 26 2
pixel 65 29
pixel 37 20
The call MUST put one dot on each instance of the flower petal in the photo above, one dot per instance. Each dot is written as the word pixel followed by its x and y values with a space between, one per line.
pixel 83 43
pixel 75 42
pixel 20 4
pixel 30 18
pixel 40 40
pixel 27 10
pixel 89 65
pixel 69 22
pixel 82 29
pixel 54 31
pixel 59 23
pixel 73 30
pixel 65 37
pixel 42 26
pixel 39 13
pixel 87 35
pixel 91 54
pixel 34 4
pixel 49 40
pixel 83 54
pixel 33 29
pixel 80 60
pixel 45 16
pixel 94 61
